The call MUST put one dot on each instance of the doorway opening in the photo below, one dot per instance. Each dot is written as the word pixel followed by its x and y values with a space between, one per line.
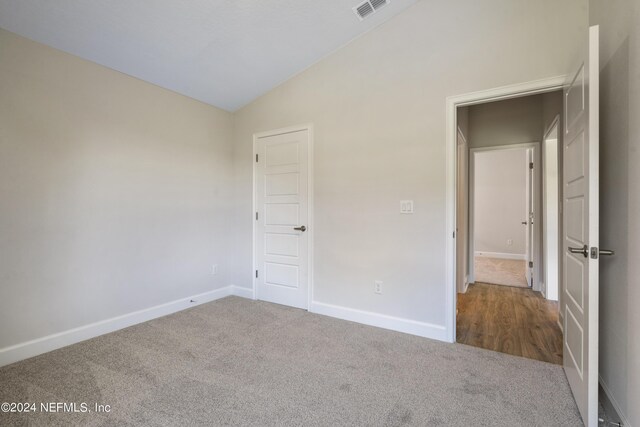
pixel 501 209
pixel 508 239
pixel 551 204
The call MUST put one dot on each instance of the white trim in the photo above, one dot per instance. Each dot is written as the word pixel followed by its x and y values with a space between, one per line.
pixel 500 255
pixel 52 342
pixel 242 292
pixel 623 419
pixel 463 228
pixel 555 122
pixel 592 308
pixel 507 147
pixel 545 262
pixel 462 136
pixel 452 103
pixel 422 329
pixel 310 196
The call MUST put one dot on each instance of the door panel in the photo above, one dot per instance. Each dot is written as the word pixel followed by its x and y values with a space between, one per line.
pixel 281 213
pixel 574 208
pixel 281 274
pixel 282 205
pixel 574 342
pixel 282 184
pixel 282 244
pixel 580 182
pixel 575 98
pixel 281 154
pixel 577 166
pixel 575 281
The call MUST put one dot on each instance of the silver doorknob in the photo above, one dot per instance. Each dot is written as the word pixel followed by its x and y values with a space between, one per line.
pixel 583 250
pixel 595 252
pixel 301 228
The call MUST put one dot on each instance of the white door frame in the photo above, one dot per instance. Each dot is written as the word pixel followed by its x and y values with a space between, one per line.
pixel 452 103
pixel 464 225
pixel 558 238
pixel 310 224
pixel 536 202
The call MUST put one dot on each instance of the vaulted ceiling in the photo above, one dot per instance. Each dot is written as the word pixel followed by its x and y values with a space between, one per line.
pixel 222 52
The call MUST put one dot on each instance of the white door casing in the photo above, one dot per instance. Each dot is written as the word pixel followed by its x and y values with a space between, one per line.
pixel 452 104
pixel 551 203
pixel 529 217
pixel 581 228
pixel 462 213
pixel 282 236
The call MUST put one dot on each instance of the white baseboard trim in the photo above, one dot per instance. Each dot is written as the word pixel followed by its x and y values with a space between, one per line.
pixel 52 342
pixel 614 403
pixel 240 291
pixel 426 330
pixel 500 255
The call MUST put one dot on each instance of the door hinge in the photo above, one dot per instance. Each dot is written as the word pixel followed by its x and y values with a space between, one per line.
pixel 256 216
pixel 256 158
pixel 256 274
pixel 530 165
pixel 530 262
pixel 454 234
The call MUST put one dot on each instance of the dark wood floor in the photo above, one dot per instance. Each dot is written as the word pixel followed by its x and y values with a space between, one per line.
pixel 510 320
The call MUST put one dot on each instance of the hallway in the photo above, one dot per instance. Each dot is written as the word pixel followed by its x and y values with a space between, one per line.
pixel 510 320
pixel 496 271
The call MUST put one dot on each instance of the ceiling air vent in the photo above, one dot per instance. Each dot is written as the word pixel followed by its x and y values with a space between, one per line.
pixel 368 7
pixel 377 4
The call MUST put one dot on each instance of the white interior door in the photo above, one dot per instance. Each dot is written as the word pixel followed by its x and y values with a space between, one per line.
pixel 281 240
pixel 580 216
pixel 528 222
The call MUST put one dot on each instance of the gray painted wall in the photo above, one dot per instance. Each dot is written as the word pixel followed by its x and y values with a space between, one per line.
pixel 620 201
pixel 512 121
pixel 378 106
pixel 114 193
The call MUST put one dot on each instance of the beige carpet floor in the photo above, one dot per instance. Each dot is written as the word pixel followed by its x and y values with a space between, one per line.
pixel 241 362
pixel 508 272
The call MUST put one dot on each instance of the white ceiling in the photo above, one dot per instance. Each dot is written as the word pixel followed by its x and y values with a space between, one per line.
pixel 222 52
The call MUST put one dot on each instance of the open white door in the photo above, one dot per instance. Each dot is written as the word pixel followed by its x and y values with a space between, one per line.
pixel 581 228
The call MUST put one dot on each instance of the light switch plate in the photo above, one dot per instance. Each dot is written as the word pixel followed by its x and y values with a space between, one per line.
pixel 406 206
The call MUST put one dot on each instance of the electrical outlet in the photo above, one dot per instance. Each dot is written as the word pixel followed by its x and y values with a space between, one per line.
pixel 377 287
pixel 214 269
pixel 509 242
